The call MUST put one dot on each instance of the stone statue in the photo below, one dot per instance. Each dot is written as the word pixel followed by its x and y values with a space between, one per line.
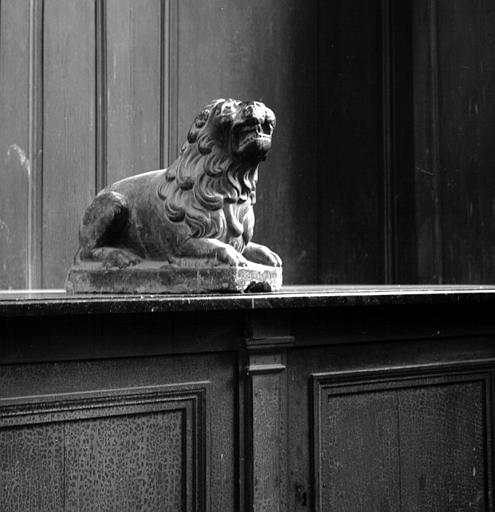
pixel 187 228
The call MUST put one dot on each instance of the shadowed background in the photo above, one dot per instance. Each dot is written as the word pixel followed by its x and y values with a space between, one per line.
pixel 382 164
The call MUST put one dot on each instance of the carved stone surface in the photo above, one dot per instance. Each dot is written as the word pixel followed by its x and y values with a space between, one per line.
pixel 187 228
pixel 157 277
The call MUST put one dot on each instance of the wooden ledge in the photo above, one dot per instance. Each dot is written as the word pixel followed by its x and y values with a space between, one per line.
pixel 57 302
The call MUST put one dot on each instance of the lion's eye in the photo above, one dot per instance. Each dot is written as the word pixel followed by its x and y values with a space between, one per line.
pixel 267 127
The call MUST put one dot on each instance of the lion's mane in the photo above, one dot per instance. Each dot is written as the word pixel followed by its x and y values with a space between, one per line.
pixel 203 180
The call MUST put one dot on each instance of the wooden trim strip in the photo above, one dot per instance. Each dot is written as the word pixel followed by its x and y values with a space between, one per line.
pixel 435 135
pixel 35 145
pixel 169 82
pixel 101 111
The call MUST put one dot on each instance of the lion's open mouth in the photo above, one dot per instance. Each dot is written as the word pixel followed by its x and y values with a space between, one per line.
pixel 252 131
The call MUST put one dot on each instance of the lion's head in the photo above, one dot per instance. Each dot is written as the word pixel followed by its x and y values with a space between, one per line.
pixel 240 129
pixel 217 165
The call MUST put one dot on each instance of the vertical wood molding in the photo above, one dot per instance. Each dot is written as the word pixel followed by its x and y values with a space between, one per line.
pixel 267 432
pixel 169 79
pixel 101 93
pixel 35 145
pixel 389 264
pixel 395 154
pixel 435 134
pixel 266 413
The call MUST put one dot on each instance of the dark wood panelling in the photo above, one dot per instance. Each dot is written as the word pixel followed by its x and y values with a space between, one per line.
pixel 122 450
pixel 444 447
pixel 454 360
pixel 15 165
pixel 101 121
pixel 134 41
pixel 69 130
pixel 429 436
pixel 397 163
pixel 382 159
pixel 266 432
pixel 356 450
pixel 466 47
pixel 350 182
pixel 426 141
pixel 169 82
pixel 265 51
pixel 454 48
pixel 36 134
pixel 32 468
pixel 115 398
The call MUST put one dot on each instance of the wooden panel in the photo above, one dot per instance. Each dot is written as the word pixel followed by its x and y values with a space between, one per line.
pixel 15 165
pixel 145 448
pixel 350 184
pixel 32 468
pixel 455 116
pixel 266 433
pixel 443 448
pixel 400 252
pixel 358 453
pixel 466 118
pixel 69 130
pixel 126 462
pixel 266 51
pixel 426 141
pixel 106 390
pixel 392 440
pixel 135 32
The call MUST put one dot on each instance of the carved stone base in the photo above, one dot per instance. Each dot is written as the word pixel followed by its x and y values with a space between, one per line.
pixel 160 277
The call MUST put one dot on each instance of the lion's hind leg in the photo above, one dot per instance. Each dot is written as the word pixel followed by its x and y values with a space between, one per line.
pixel 101 232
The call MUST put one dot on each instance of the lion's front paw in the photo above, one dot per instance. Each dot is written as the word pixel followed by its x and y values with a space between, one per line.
pixel 230 256
pixel 114 257
pixel 261 254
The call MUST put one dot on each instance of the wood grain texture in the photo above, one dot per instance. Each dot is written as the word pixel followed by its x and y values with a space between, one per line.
pixel 397 123
pixel 467 117
pixel 117 381
pixel 351 230
pixel 134 34
pixel 136 450
pixel 358 453
pixel 266 433
pixel 454 97
pixel 426 150
pixel 262 51
pixel 15 166
pixel 128 463
pixel 429 435
pixel 69 130
pixel 357 374
pixel 32 468
pixel 443 448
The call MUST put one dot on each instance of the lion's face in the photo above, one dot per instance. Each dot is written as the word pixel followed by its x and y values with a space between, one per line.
pixel 241 128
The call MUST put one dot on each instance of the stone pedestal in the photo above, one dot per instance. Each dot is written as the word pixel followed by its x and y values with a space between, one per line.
pixel 160 277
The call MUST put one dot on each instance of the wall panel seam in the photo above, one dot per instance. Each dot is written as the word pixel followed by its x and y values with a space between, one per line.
pixel 101 94
pixel 35 144
pixel 169 81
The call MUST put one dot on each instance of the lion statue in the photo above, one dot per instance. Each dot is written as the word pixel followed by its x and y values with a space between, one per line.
pixel 200 208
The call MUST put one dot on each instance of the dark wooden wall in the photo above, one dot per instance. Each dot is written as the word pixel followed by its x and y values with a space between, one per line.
pixel 382 163
pixel 454 88
pixel 113 87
